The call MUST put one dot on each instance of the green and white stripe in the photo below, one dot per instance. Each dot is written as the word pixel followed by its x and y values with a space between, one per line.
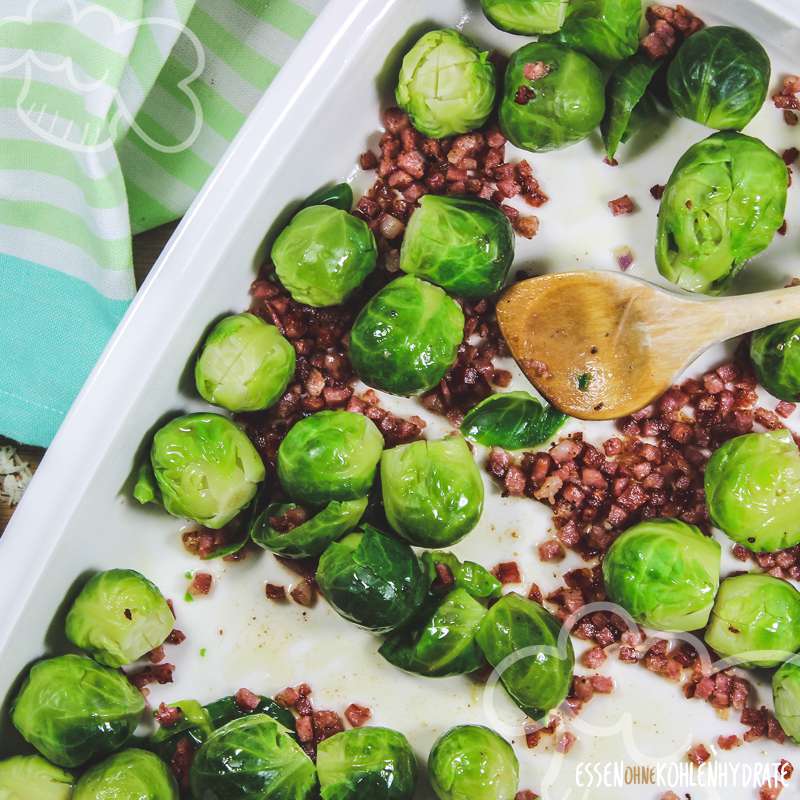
pixel 67 207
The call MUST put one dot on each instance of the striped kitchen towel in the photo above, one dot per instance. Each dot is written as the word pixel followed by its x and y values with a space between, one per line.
pixel 112 115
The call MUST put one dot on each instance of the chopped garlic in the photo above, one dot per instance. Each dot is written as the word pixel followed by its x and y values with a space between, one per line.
pixel 15 475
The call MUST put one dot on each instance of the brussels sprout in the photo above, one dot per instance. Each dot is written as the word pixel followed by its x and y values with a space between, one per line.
pixel 719 78
pixel 664 573
pixel 312 535
pixel 255 758
pixel 757 618
pixel 134 774
pixel 786 698
pixel 323 255
pixel 476 580
pixel 366 764
pixel 446 84
pixel 442 642
pixel 372 580
pixel 511 420
pixel 432 491
pixel 471 762
pixel 753 490
pixel 339 196
pixel 245 364
pixel 605 30
pixel 71 709
pixel 27 777
pixel 406 337
pixel 537 681
pixel 206 468
pixel 722 205
pixel 331 455
pixel 526 16
pixel 463 244
pixel 625 93
pixel 118 617
pixel 556 110
pixel 775 352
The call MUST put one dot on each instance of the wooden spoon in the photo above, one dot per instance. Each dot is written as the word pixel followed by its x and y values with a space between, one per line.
pixel 601 345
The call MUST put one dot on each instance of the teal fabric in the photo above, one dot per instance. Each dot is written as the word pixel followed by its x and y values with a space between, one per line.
pixel 113 114
pixel 47 318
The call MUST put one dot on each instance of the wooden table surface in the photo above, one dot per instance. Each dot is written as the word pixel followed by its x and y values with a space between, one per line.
pixel 146 249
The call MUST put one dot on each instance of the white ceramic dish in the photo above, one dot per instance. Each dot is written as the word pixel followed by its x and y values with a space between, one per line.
pixel 77 515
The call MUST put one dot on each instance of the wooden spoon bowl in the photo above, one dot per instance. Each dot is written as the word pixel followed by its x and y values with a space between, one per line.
pixel 601 345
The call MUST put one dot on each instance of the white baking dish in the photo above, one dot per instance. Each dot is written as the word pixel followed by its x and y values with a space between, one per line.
pixel 77 514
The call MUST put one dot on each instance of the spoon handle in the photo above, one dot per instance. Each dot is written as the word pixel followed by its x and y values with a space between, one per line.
pixel 750 312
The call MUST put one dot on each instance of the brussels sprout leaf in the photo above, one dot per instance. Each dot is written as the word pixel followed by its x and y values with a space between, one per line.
pixel 235 535
pixel 198 722
pixel 311 534
pixel 512 420
pixel 467 575
pixel 626 91
pixel 605 30
pixel 226 709
pixel 195 720
pixel 338 196
pixel 145 490
pixel 441 640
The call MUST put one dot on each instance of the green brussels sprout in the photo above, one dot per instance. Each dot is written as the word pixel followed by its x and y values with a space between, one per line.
pixel 446 84
pixel 752 488
pixel 331 455
pixel 313 534
pixel 253 757
pixel 323 255
pixel 556 110
pixel 605 30
pixel 664 573
pixel 118 617
pixel 722 205
pixel 27 777
pixel 206 468
pixel 463 244
pixel 442 641
pixel 757 619
pixel 372 580
pixel 134 774
pixel 471 762
pixel 245 364
pixel 537 681
pixel 406 337
pixel 786 698
pixel 476 580
pixel 527 17
pixel 71 709
pixel 719 78
pixel 512 420
pixel 626 99
pixel 775 352
pixel 366 764
pixel 432 491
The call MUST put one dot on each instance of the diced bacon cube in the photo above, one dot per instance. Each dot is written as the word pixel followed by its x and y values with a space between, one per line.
pixel 507 572
pixel 246 700
pixel 357 715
